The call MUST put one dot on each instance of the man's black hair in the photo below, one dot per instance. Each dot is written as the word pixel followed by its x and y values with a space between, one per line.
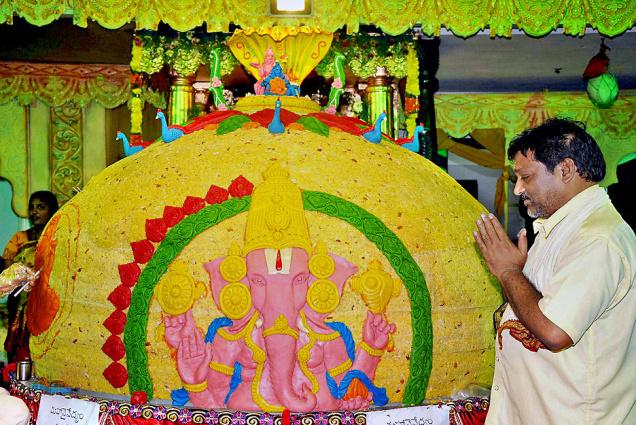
pixel 557 139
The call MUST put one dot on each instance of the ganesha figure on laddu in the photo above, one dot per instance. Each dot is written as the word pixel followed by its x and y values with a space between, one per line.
pixel 274 348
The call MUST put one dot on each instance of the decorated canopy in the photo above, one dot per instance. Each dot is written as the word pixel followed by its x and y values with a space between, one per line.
pixel 462 17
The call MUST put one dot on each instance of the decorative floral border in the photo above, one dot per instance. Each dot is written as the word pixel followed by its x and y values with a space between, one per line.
pixel 187 415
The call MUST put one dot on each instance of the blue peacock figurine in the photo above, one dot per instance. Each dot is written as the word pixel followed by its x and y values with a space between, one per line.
pixel 168 134
pixel 128 148
pixel 414 144
pixel 375 134
pixel 276 126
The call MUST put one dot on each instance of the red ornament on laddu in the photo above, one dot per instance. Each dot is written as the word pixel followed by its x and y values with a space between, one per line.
pixel 142 250
pixel 240 187
pixel 216 195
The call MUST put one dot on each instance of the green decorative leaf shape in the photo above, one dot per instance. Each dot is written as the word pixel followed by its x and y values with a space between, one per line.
pixel 314 125
pixel 231 124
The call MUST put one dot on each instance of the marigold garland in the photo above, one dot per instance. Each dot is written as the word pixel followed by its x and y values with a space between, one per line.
pixel 412 73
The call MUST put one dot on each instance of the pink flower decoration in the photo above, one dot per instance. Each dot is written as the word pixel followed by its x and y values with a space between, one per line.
pixel 222 107
pixel 159 412
pixel 135 411
pixel 347 418
pixel 321 418
pixel 216 82
pixel 211 417
pixel 337 83
pixel 112 407
pixel 266 419
pixel 331 110
pixel 185 416
pixel 238 418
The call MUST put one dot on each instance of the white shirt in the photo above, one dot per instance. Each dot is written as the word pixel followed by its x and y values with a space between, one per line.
pixel 583 262
pixel 13 411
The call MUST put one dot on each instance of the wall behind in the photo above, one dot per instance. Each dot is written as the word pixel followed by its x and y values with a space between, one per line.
pixel 9 222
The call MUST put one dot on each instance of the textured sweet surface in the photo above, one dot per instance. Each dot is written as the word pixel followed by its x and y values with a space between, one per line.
pixel 300 105
pixel 419 203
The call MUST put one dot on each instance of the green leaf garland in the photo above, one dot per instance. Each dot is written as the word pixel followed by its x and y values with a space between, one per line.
pixel 365 53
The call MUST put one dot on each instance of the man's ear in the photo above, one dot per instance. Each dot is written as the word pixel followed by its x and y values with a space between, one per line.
pixel 568 170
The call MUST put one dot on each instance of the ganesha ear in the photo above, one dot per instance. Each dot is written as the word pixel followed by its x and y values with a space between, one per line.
pixel 226 270
pixel 343 271
pixel 217 283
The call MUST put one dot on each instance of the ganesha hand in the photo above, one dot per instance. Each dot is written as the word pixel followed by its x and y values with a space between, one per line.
pixel 193 357
pixel 176 326
pixel 377 331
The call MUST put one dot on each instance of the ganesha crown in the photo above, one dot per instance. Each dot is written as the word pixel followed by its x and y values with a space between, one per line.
pixel 276 218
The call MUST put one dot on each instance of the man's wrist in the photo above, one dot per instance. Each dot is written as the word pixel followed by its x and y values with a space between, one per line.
pixel 507 273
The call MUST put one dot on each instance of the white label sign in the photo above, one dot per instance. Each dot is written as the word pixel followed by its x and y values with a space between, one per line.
pixel 58 410
pixel 419 415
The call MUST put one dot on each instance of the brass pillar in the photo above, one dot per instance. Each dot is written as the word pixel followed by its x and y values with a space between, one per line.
pixel 181 100
pixel 379 100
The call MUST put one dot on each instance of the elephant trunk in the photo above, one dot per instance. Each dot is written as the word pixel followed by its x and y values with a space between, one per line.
pixel 281 354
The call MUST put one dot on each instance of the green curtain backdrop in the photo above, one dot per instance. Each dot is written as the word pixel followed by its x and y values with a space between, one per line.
pixel 614 129
pixel 463 17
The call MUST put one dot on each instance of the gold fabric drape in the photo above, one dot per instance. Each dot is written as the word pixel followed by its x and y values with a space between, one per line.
pixel 302 48
pixel 58 84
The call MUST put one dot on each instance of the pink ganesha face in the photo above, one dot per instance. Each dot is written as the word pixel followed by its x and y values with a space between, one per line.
pixel 278 290
pixel 273 292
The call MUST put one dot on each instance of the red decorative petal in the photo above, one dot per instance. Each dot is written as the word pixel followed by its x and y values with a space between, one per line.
pixel 115 322
pixel 142 251
pixel 116 374
pixel 172 215
pixel 114 348
pixel 135 139
pixel 265 116
pixel 156 229
pixel 286 417
pixel 129 273
pixel 240 187
pixel 193 204
pixel 216 195
pixel 138 397
pixel 120 297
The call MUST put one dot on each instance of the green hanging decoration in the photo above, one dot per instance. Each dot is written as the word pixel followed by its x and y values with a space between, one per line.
pixel 337 87
pixel 602 87
pixel 603 90
pixel 216 85
pixel 184 53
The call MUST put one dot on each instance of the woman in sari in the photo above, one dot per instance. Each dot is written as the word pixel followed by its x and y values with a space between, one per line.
pixel 21 248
